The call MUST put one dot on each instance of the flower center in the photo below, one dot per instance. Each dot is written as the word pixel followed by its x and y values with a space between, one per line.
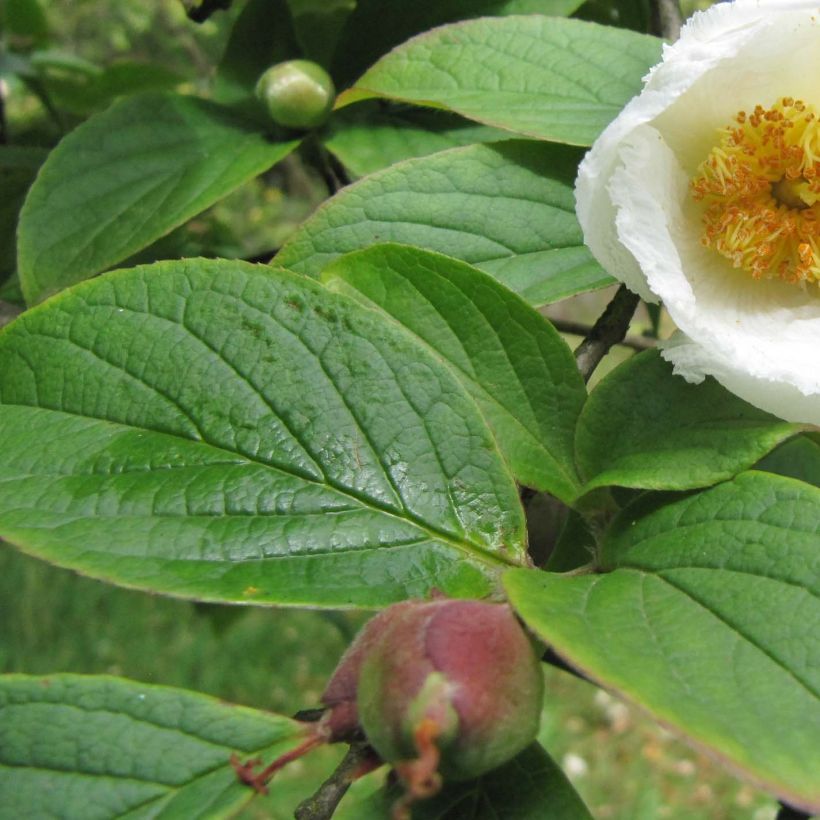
pixel 760 187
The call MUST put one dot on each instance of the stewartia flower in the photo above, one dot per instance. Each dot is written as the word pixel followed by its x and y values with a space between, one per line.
pixel 704 194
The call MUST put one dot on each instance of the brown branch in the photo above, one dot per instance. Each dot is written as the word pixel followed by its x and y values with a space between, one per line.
pixel 609 330
pixel 322 804
pixel 667 19
pixel 580 329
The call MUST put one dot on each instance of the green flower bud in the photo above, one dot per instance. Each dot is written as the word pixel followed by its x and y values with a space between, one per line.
pixel 297 93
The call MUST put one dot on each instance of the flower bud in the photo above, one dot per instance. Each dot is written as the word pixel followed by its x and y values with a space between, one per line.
pixel 448 687
pixel 297 93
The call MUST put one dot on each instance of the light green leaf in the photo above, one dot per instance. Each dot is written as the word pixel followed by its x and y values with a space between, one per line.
pixel 644 427
pixel 95 747
pixel 262 36
pixel 128 176
pixel 707 617
pixel 512 361
pixel 508 209
pixel 378 25
pixel 224 431
pixel 366 138
pixel 530 787
pixel 18 167
pixel 544 77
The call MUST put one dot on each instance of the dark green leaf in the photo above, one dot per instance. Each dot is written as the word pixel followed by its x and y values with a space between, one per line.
pixel 707 617
pixel 508 209
pixel 18 167
pixel 128 176
pixel 798 458
pixel 80 747
pixel 378 25
pixel 25 23
pixel 261 36
pixel 318 24
pixel 647 428
pixel 367 138
pixel 512 361
pixel 225 431
pixel 529 787
pixel 544 77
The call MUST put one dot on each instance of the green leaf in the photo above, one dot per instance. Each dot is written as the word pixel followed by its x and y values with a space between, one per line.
pixel 128 176
pixel 530 787
pixel 378 25
pixel 798 458
pixel 25 23
pixel 262 36
pixel 510 359
pixel 508 209
pixel 75 746
pixel 18 167
pixel 224 431
pixel 644 427
pixel 367 138
pixel 318 24
pixel 544 77
pixel 708 618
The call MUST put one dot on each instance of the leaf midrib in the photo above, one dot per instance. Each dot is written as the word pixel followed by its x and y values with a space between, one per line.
pixel 431 533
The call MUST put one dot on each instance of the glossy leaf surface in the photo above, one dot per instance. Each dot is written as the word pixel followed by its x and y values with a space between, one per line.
pixel 95 747
pixel 224 431
pixel 508 209
pixel 376 26
pixel 706 614
pixel 367 139
pixel 544 77
pixel 128 176
pixel 679 437
pixel 514 363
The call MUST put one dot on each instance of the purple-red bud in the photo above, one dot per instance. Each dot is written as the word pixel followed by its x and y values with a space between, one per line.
pixel 458 677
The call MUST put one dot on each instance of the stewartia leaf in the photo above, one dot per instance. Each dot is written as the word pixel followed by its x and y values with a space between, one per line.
pixel 512 361
pixel 375 26
pixel 128 176
pixel 545 77
pixel 262 35
pixel 705 614
pixel 366 138
pixel 647 428
pixel 225 431
pixel 77 746
pixel 507 209
pixel 798 458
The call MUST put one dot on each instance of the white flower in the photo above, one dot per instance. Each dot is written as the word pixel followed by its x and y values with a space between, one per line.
pixel 702 194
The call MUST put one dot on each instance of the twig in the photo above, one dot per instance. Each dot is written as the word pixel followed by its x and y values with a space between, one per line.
pixel 322 804
pixel 609 330
pixel 667 19
pixel 580 329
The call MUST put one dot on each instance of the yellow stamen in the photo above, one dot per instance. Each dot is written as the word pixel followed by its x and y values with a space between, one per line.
pixel 760 188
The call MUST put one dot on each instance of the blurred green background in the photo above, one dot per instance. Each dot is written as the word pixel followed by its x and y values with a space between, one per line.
pixel 624 765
